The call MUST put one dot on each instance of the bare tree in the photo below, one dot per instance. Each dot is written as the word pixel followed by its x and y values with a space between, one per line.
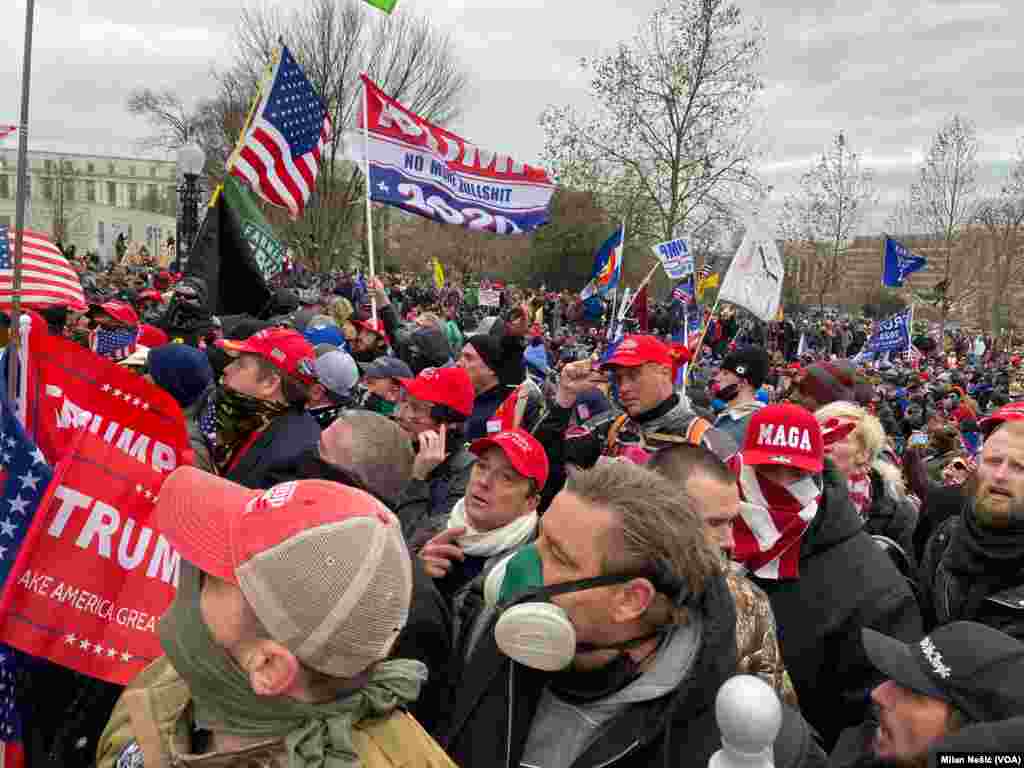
pixel 944 202
pixel 333 41
pixel 666 143
pixel 1001 219
pixel 821 220
pixel 60 193
pixel 172 122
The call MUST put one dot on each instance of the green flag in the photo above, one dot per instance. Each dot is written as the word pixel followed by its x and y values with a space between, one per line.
pixel 385 5
pixel 236 253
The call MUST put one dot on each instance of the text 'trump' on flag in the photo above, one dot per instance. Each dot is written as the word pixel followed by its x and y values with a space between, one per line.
pixel 280 156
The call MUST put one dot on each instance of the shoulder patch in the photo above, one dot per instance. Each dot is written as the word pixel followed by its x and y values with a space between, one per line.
pixel 131 756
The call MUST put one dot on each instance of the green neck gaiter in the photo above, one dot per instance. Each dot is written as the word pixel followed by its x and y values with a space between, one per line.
pixel 315 735
pixel 236 416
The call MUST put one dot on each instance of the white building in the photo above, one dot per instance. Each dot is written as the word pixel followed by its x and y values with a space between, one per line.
pixel 88 200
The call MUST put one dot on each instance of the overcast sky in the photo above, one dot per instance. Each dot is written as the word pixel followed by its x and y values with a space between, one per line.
pixel 886 72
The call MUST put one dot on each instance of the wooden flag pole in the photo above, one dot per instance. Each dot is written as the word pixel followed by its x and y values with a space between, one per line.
pixel 643 284
pixel 19 212
pixel 700 343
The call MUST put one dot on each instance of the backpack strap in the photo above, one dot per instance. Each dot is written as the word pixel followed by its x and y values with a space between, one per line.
pixel 695 432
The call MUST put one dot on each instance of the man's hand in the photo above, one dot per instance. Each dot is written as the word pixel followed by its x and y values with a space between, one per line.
pixel 377 288
pixel 431 452
pixel 438 553
pixel 575 379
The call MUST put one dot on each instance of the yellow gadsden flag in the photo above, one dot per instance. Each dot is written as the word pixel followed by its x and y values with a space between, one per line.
pixel 438 274
pixel 711 281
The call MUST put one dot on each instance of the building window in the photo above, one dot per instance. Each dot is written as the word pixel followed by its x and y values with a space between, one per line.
pixel 69 190
pixel 48 165
pixel 111 193
pixel 131 170
pixel 90 167
pixel 152 172
pixel 130 238
pixel 5 186
pixel 90 191
pixel 48 188
pixel 133 195
pixel 99 232
pixel 111 169
pixel 68 166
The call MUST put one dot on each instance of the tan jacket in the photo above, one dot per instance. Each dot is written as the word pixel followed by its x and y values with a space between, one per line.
pixel 757 643
pixel 151 726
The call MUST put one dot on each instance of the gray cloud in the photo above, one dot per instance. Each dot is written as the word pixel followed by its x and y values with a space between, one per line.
pixel 884 71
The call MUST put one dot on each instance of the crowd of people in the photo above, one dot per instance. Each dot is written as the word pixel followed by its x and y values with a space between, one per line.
pixel 421 531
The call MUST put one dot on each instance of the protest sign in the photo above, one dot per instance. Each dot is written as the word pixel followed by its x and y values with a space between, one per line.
pixel 489 298
pixel 675 258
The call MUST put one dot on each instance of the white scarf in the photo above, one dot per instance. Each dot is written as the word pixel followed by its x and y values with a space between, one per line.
pixel 489 543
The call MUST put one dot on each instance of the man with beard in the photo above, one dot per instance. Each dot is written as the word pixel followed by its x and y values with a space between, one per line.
pixel 256 419
pixel 277 643
pixel 973 564
pixel 961 674
pixel 801 541
pixel 371 341
pixel 614 631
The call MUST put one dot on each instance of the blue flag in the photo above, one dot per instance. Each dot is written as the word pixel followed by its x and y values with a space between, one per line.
pixel 899 262
pixel 607 267
pixel 891 335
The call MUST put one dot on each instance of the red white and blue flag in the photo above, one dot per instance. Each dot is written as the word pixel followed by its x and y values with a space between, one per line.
pixel 424 169
pixel 114 344
pixel 280 158
pixel 5 131
pixel 24 477
pixel 46 277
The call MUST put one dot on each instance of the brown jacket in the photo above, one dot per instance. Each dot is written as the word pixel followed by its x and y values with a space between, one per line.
pixel 757 645
pixel 151 726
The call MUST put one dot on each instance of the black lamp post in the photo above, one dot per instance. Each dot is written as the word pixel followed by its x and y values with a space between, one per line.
pixel 191 160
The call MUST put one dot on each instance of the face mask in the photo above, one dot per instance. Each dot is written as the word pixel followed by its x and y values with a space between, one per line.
pixel 378 404
pixel 538 634
pixel 728 393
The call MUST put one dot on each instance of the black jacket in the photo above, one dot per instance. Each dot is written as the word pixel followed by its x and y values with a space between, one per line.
pixel 942 503
pixel 484 407
pixel 269 460
pixel 995 596
pixel 496 701
pixel 846 583
pixel 891 517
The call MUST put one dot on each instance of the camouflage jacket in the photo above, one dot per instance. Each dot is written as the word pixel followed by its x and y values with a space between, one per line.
pixel 151 727
pixel 757 645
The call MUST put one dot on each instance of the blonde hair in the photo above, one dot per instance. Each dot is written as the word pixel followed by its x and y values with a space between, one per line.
pixel 870 436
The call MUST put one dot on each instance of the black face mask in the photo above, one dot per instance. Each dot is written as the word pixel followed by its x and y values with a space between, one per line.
pixel 728 394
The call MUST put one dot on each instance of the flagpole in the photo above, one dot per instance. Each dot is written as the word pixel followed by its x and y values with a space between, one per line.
pixel 19 211
pixel 369 206
pixel 643 284
pixel 700 342
pixel 268 73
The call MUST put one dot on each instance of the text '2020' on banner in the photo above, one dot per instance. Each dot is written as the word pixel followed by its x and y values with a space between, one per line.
pixel 426 170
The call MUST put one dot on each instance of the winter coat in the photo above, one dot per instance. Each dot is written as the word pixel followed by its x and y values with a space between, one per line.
pixel 433 499
pixel 949 595
pixel 497 699
pixel 734 421
pixel 268 461
pixel 891 517
pixel 942 502
pixel 153 725
pixel 846 583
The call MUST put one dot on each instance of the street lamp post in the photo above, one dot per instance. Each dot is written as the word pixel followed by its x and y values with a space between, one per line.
pixel 191 161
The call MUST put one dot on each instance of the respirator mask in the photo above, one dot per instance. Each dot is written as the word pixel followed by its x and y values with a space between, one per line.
pixel 536 633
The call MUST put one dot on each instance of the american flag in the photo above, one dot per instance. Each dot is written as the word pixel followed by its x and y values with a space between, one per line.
pixel 114 344
pixel 704 273
pixel 46 276
pixel 24 475
pixel 7 130
pixel 280 158
pixel 684 291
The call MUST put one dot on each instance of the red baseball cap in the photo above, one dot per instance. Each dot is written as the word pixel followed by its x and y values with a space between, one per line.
pixel 784 435
pixel 121 311
pixel 151 336
pixel 636 350
pixel 324 566
pixel 522 450
pixel 284 347
pixel 1008 412
pixel 444 386
pixel 373 327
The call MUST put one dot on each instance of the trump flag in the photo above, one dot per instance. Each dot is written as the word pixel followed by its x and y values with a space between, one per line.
pixel 899 262
pixel 424 169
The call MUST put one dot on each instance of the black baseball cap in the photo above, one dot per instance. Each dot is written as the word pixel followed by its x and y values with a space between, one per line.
pixel 387 368
pixel 978 669
pixel 750 363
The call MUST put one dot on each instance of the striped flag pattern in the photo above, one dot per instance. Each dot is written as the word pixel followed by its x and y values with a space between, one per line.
pixel 280 158
pixel 47 279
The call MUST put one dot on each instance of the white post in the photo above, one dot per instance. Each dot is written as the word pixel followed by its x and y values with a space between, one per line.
pixel 369 206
